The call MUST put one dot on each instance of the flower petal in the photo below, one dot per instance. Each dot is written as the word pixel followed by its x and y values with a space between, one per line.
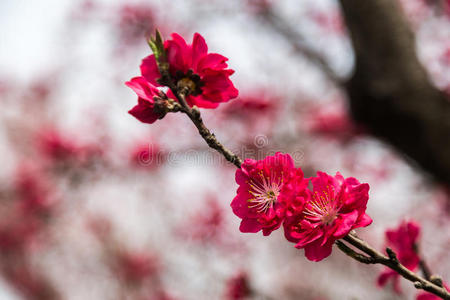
pixel 250 225
pixel 144 112
pixel 308 238
pixel 316 252
pixel 212 61
pixel 199 49
pixel 346 224
pixel 363 221
pixel 149 70
pixel 240 205
pixel 143 88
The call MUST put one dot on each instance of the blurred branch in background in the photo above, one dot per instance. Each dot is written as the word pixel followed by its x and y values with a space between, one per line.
pixel 282 27
pixel 390 91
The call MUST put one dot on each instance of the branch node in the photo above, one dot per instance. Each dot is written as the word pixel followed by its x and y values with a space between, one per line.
pixel 392 255
pixel 195 112
pixel 437 280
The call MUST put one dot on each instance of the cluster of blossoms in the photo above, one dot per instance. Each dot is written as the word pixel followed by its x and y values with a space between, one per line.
pixel 273 192
pixel 204 75
pixel 314 212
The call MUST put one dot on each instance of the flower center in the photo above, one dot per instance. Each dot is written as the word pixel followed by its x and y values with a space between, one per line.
pixel 190 81
pixel 323 208
pixel 265 191
pixel 186 82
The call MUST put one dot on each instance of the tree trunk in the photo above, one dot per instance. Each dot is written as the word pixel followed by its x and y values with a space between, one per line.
pixel 390 92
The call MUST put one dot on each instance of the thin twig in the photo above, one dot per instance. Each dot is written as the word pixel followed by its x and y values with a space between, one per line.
pixel 355 255
pixel 392 262
pixel 425 269
pixel 422 264
pixel 210 138
pixel 196 118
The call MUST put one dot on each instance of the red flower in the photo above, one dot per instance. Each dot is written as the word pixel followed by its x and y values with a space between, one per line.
pixel 266 188
pixel 337 206
pixel 208 224
pixel 143 111
pixel 136 267
pixel 147 155
pixel 238 287
pixel 332 122
pixel 55 146
pixel 254 105
pixel 17 237
pixel 62 150
pixel 34 191
pixel 403 241
pixel 191 65
pixel 447 8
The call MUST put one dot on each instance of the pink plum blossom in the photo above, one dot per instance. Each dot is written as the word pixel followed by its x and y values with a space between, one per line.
pixel 266 189
pixel 206 74
pixel 336 207
pixel 238 287
pixel 402 240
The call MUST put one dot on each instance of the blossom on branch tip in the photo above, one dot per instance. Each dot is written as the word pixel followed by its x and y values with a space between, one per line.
pixel 267 188
pixel 403 240
pixel 204 75
pixel 336 206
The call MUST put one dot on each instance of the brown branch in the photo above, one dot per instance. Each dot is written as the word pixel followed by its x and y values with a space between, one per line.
pixel 390 261
pixel 298 43
pixel 180 92
pixel 425 269
pixel 355 255
pixel 196 118
pixel 210 138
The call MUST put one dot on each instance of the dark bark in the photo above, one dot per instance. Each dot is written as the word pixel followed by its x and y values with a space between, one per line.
pixel 390 92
